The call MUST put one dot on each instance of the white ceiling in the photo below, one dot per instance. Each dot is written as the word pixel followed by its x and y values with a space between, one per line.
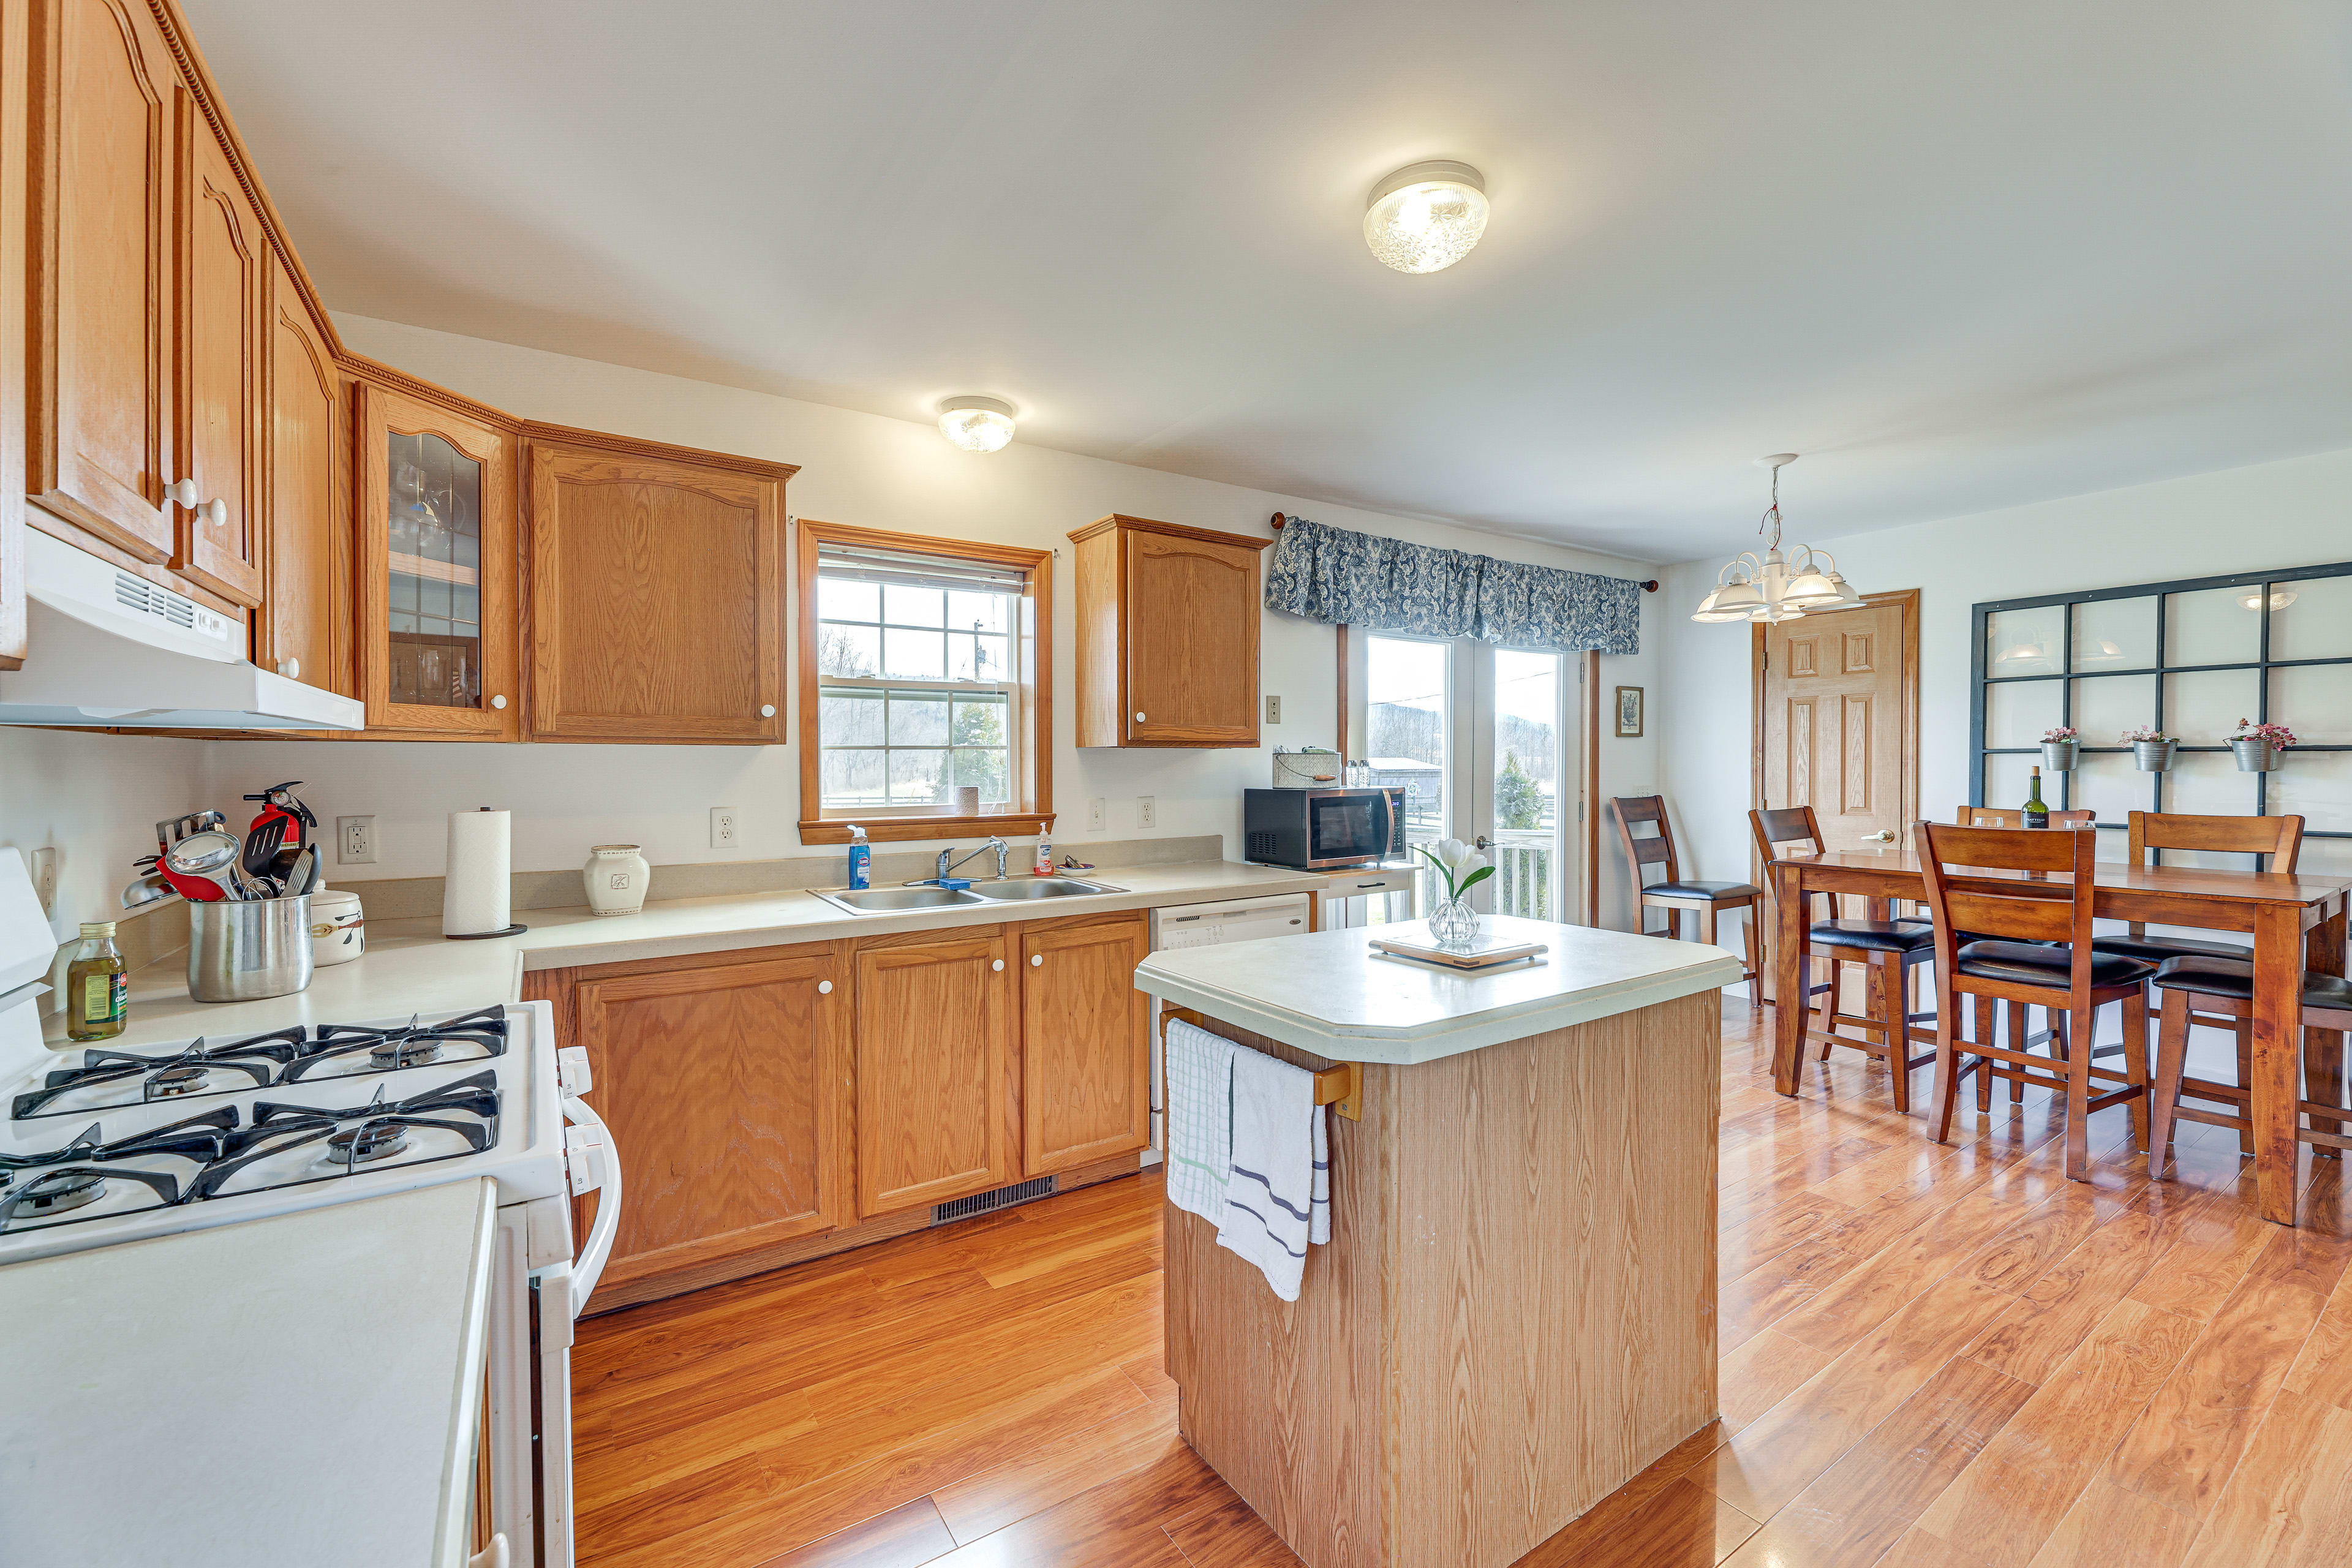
pixel 1961 256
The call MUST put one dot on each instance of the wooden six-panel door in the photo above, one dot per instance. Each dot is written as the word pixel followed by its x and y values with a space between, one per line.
pixel 934 1052
pixel 728 1089
pixel 656 593
pixel 1086 1047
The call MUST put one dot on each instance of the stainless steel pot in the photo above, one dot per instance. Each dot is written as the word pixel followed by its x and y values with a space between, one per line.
pixel 242 950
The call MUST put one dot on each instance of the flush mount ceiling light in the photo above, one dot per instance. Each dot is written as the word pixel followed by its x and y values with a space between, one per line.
pixel 1777 587
pixel 977 424
pixel 1426 216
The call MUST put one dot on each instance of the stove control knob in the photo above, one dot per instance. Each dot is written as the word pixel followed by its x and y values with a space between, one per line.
pixel 998 965
pixel 767 710
pixel 498 701
pixel 825 987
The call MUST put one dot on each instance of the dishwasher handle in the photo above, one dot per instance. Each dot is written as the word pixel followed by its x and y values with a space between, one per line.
pixel 595 1167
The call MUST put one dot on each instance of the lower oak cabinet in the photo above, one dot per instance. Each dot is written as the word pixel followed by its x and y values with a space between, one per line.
pixel 934 1071
pixel 728 1090
pixel 775 1105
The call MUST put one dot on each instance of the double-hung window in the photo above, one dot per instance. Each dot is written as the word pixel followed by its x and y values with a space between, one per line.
pixel 919 681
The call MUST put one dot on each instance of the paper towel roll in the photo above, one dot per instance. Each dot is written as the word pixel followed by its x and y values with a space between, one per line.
pixel 476 888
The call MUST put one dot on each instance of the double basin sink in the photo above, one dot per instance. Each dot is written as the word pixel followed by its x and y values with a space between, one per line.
pixel 894 900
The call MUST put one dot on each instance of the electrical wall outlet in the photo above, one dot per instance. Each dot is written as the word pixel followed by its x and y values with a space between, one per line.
pixel 44 868
pixel 722 829
pixel 355 840
pixel 1274 709
pixel 1146 811
pixel 1097 814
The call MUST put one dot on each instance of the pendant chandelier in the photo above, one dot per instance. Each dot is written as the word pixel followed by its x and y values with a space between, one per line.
pixel 1777 586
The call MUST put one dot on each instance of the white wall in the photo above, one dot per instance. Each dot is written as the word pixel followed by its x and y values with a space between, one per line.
pixel 2274 515
pixel 96 800
pixel 875 472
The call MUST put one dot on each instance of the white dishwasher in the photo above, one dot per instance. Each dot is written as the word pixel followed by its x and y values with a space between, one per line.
pixel 1211 925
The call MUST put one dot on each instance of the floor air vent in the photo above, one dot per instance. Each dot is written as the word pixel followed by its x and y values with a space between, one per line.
pixel 1001 1198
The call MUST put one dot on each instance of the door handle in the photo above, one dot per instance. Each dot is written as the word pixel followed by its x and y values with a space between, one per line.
pixel 1884 836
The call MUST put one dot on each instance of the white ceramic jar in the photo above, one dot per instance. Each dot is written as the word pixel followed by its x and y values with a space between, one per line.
pixel 616 875
pixel 338 929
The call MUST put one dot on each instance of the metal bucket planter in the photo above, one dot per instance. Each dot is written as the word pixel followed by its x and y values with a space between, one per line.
pixel 2154 756
pixel 2059 756
pixel 2255 756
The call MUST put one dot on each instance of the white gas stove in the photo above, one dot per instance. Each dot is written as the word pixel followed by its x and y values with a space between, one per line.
pixel 102 1146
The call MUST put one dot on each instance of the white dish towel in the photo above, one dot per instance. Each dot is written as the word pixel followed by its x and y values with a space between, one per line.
pixel 1200 1119
pixel 1278 1196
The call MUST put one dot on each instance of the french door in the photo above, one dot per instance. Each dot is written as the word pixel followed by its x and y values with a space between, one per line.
pixel 1484 741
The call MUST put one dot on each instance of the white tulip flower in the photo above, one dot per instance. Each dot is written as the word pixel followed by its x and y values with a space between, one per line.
pixel 1452 850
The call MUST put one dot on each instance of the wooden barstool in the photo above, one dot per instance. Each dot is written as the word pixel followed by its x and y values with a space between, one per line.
pixel 1886 950
pixel 2018 1019
pixel 1706 899
pixel 2279 838
pixel 2012 960
pixel 2199 986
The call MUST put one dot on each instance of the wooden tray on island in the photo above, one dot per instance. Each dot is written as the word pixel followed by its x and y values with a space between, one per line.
pixel 1487 954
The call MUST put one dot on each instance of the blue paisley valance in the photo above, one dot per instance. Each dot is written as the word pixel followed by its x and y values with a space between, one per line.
pixel 1386 585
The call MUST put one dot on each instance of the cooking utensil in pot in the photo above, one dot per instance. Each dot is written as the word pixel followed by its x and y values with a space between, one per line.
pixel 199 866
pixel 282 819
pixel 171 829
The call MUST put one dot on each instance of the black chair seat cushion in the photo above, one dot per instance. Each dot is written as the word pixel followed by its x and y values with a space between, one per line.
pixel 1704 890
pixel 2235 977
pixel 2031 964
pixel 1875 936
pixel 2157 949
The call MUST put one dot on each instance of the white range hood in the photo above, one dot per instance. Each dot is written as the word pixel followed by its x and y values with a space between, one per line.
pixel 105 646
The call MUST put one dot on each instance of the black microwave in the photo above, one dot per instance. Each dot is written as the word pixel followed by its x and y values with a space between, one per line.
pixel 1319 829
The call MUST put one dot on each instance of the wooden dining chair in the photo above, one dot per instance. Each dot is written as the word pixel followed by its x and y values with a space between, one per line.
pixel 2016 919
pixel 1673 895
pixel 2015 816
pixel 2202 988
pixel 2281 839
pixel 1886 951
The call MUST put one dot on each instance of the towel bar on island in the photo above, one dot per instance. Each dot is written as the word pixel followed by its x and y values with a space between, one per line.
pixel 1342 1086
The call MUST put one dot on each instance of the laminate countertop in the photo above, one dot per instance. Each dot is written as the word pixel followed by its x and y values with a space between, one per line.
pixel 302 1389
pixel 410 966
pixel 1332 993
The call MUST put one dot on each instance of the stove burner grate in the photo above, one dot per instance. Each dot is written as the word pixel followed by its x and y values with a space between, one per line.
pixel 137 1078
pixel 477 1036
pixel 404 1054
pixel 366 1143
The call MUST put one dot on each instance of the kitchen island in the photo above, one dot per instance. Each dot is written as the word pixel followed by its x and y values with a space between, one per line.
pixel 1516 1310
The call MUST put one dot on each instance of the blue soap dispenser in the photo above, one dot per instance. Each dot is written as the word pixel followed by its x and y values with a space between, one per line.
pixel 861 858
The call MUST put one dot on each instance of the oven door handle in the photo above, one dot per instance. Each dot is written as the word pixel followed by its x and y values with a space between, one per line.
pixel 605 1182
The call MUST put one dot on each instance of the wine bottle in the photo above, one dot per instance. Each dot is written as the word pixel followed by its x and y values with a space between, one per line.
pixel 2036 813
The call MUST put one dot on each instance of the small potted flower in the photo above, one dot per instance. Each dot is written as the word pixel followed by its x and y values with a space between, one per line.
pixel 2258 746
pixel 2151 749
pixel 1453 923
pixel 2060 747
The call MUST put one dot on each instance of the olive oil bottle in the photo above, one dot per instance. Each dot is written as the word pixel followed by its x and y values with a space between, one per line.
pixel 98 989
pixel 2036 813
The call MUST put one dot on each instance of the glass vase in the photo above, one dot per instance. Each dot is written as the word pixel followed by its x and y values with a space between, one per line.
pixel 1453 925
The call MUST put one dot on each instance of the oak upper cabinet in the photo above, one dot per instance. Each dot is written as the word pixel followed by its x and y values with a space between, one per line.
pixel 217 277
pixel 728 1090
pixel 99 286
pixel 1168 623
pixel 1086 1043
pixel 437 651
pixel 303 629
pixel 656 594
pixel 934 1051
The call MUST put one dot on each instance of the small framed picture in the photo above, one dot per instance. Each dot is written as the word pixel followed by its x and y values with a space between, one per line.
pixel 1629 712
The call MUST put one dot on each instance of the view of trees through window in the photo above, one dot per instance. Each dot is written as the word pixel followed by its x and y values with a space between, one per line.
pixel 916 693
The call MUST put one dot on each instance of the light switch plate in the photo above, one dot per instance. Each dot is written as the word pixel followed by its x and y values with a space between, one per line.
pixel 1274 709
pixel 722 829
pixel 1147 812
pixel 43 868
pixel 1097 814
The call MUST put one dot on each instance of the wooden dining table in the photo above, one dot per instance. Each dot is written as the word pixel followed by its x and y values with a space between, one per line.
pixel 2296 922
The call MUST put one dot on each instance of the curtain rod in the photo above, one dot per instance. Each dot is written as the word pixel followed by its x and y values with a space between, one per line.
pixel 1649 585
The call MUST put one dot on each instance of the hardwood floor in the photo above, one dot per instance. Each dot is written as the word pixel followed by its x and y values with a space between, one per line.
pixel 1932 1357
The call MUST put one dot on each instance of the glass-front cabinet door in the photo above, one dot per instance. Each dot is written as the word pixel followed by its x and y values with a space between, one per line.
pixel 438 651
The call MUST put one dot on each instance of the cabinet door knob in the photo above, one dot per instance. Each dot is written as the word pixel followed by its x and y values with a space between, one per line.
pixel 498 701
pixel 767 710
pixel 216 512
pixel 825 987
pixel 1139 718
pixel 1036 960
pixel 184 492
pixel 998 964
pixel 291 669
